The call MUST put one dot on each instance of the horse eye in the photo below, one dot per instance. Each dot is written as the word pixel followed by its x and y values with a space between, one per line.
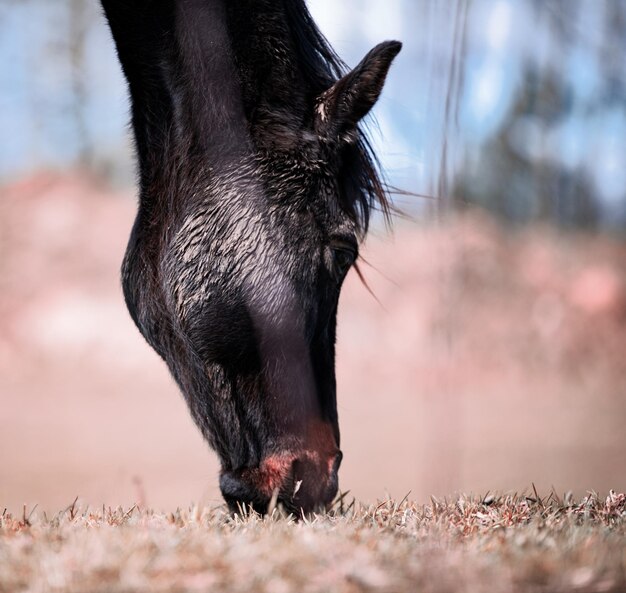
pixel 343 260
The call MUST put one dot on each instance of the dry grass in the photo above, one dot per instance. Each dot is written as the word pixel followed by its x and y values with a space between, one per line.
pixel 495 543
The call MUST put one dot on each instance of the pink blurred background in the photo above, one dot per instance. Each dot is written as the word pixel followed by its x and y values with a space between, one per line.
pixel 492 359
pixel 493 354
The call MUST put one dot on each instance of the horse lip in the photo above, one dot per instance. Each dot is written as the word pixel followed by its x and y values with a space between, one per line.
pixel 337 462
pixel 315 481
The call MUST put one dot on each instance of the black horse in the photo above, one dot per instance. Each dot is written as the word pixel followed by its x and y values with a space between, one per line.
pixel 256 186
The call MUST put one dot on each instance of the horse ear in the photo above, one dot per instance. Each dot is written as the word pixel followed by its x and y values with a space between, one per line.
pixel 343 105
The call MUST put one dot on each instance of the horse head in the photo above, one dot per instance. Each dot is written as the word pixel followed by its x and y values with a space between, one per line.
pixel 256 186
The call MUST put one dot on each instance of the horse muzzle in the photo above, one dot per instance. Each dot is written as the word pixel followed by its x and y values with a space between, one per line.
pixel 303 482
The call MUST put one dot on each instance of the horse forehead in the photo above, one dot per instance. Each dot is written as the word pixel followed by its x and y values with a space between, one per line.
pixel 230 208
pixel 309 183
pixel 240 202
pixel 234 215
pixel 230 240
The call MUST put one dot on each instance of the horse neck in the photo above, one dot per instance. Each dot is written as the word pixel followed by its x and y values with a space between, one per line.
pixel 206 94
pixel 185 91
pixel 210 80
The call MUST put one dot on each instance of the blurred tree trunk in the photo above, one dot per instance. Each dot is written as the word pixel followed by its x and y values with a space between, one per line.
pixel 78 27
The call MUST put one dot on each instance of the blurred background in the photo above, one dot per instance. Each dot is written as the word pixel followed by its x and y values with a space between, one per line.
pixel 494 354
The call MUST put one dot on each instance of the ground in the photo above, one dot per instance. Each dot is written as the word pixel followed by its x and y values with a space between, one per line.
pixel 493 544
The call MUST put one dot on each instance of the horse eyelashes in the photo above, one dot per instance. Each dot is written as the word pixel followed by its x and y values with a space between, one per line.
pixel 343 259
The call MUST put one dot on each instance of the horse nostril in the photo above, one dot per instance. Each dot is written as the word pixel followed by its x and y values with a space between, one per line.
pixel 336 462
pixel 315 483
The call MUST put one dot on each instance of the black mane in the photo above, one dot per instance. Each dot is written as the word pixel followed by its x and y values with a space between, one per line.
pixel 322 67
pixel 318 66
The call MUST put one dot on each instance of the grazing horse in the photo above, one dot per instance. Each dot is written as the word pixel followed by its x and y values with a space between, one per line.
pixel 256 186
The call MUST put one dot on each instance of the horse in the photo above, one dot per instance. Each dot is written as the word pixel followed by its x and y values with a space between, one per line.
pixel 256 186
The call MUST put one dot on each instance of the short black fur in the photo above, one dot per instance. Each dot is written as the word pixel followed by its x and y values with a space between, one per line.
pixel 256 186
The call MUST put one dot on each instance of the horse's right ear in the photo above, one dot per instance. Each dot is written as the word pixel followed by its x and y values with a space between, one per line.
pixel 343 105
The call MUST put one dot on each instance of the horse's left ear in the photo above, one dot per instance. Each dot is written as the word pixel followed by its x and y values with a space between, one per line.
pixel 343 105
